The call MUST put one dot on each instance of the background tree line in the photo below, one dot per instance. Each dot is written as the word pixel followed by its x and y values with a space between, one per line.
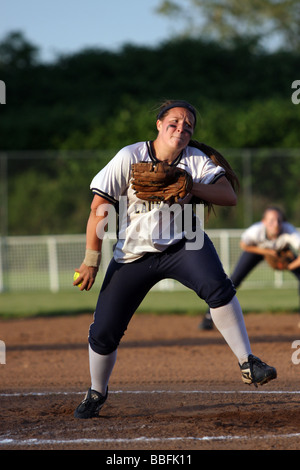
pixel 69 117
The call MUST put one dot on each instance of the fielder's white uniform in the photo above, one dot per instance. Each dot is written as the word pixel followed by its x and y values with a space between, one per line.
pixel 255 235
pixel 289 237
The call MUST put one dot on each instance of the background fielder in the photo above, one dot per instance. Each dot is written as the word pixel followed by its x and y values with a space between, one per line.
pixel 263 240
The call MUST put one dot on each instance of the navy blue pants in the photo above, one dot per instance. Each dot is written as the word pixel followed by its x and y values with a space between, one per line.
pixel 249 261
pixel 126 284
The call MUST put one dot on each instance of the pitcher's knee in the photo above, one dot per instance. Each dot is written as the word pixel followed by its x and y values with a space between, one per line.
pixel 104 342
pixel 221 294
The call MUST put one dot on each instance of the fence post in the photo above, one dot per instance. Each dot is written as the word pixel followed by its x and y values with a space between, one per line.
pixel 53 264
pixel 1 266
pixel 278 279
pixel 3 195
pixel 225 250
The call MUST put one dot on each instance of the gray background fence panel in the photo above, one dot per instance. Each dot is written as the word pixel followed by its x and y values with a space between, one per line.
pixel 48 262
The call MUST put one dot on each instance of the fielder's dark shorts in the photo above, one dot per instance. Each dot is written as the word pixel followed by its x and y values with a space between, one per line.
pixel 246 263
pixel 126 284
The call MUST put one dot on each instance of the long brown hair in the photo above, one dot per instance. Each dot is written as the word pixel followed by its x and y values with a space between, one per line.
pixel 218 160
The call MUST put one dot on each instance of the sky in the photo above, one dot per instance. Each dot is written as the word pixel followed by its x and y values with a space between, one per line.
pixel 67 26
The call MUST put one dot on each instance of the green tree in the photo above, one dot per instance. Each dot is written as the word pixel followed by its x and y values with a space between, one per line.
pixel 17 52
pixel 231 20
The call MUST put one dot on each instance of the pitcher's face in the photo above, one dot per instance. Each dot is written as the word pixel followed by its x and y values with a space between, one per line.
pixel 176 128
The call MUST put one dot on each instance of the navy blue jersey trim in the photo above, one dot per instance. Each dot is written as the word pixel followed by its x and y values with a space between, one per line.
pixel 217 177
pixel 155 160
pixel 104 195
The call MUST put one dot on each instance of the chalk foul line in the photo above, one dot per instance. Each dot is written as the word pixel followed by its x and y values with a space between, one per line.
pixel 142 439
pixel 8 441
pixel 222 392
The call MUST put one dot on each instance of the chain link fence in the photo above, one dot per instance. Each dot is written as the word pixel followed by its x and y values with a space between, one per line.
pixel 47 262
pixel 48 191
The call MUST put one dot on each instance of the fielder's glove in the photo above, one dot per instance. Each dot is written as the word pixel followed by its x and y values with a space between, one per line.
pixel 160 182
pixel 282 259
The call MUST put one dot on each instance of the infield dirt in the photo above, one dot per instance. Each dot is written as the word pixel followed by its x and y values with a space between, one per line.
pixel 174 387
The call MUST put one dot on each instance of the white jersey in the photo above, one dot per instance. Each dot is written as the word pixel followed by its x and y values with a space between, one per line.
pixel 140 229
pixel 288 239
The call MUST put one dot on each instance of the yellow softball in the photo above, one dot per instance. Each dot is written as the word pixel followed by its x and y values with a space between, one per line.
pixel 76 275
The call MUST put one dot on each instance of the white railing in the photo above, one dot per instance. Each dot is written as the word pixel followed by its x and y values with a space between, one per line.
pixel 48 262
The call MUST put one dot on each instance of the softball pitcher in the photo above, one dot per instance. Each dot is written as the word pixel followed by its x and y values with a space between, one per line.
pixel 146 252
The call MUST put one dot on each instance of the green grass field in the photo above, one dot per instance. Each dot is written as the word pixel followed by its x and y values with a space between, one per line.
pixel 25 304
